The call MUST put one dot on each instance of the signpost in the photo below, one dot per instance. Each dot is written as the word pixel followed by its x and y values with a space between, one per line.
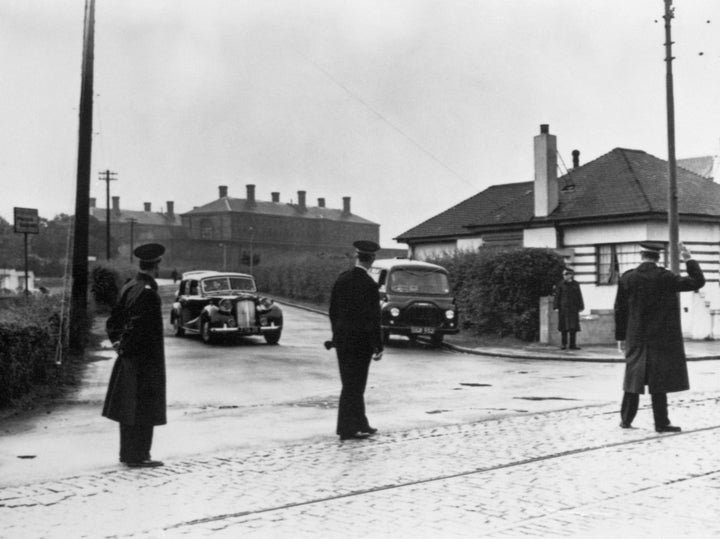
pixel 26 222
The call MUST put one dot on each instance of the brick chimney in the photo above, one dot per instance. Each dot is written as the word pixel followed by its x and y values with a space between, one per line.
pixel 321 202
pixel 148 206
pixel 223 192
pixel 250 202
pixel 275 196
pixel 346 206
pixel 302 207
pixel 170 208
pixel 116 204
pixel 576 158
pixel 546 183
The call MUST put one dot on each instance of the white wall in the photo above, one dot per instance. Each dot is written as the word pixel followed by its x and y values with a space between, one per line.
pixel 540 237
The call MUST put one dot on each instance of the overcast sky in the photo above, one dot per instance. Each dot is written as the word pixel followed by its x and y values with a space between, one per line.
pixel 407 106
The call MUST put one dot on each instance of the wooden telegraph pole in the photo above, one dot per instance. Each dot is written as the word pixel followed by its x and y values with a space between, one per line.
pixel 107 177
pixel 673 225
pixel 78 300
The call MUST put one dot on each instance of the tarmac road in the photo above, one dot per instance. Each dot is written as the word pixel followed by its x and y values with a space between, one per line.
pixel 468 445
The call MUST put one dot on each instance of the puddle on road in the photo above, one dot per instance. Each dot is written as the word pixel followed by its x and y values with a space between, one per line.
pixel 438 411
pixel 474 384
pixel 320 403
pixel 545 398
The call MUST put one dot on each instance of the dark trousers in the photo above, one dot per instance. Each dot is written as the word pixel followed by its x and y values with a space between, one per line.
pixel 351 408
pixel 629 408
pixel 564 338
pixel 135 442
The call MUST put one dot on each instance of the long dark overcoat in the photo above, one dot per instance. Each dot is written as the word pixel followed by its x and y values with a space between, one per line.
pixel 355 320
pixel 136 392
pixel 569 302
pixel 647 318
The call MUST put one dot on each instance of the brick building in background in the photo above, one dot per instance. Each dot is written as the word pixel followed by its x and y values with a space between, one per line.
pixel 228 232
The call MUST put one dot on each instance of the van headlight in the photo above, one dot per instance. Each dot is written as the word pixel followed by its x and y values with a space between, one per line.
pixel 449 314
pixel 394 312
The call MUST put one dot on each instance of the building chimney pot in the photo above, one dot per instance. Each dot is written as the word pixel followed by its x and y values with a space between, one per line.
pixel 116 203
pixel 545 188
pixel 321 202
pixel 170 208
pixel 92 202
pixel 148 206
pixel 250 195
pixel 275 196
pixel 301 201
pixel 576 158
pixel 223 191
pixel 346 205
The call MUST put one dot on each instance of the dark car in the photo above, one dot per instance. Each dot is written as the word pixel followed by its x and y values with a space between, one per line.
pixel 415 299
pixel 213 304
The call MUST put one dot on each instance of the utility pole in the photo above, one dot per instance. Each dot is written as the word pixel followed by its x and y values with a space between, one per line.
pixel 673 225
pixel 132 237
pixel 109 177
pixel 78 299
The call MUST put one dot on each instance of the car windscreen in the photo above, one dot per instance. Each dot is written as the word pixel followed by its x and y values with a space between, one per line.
pixel 217 285
pixel 418 281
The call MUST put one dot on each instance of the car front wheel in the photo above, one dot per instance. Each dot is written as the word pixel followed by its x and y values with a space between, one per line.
pixel 274 337
pixel 177 326
pixel 205 334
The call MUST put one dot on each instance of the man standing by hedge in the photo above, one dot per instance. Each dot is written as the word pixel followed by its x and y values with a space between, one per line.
pixel 569 303
pixel 136 393
pixel 357 336
pixel 647 328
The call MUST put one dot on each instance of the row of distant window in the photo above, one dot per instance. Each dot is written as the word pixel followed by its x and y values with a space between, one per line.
pixel 615 259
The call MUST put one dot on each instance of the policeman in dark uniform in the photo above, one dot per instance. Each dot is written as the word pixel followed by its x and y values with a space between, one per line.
pixel 648 331
pixel 136 392
pixel 357 337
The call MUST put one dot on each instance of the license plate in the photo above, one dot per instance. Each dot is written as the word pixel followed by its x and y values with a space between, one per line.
pixel 422 331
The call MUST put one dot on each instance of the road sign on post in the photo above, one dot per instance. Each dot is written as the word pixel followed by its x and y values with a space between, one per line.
pixel 26 222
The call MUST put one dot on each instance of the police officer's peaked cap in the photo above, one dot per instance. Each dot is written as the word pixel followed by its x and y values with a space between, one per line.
pixel 366 247
pixel 653 247
pixel 149 252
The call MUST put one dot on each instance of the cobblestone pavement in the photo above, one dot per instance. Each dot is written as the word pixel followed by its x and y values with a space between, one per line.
pixel 571 473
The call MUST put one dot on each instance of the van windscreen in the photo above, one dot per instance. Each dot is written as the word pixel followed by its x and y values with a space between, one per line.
pixel 418 281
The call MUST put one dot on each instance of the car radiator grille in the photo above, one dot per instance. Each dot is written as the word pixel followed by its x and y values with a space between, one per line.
pixel 423 315
pixel 245 313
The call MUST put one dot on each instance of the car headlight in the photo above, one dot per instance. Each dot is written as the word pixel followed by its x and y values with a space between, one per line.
pixel 449 314
pixel 225 305
pixel 264 304
pixel 394 312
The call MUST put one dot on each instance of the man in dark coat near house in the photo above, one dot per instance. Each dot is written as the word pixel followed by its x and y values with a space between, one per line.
pixel 136 392
pixel 569 303
pixel 647 328
pixel 357 337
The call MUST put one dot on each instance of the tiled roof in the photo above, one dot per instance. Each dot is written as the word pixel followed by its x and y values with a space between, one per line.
pixel 702 166
pixel 140 217
pixel 498 205
pixel 620 183
pixel 227 204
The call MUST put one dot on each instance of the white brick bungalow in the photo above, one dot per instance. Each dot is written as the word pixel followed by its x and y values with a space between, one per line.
pixel 595 215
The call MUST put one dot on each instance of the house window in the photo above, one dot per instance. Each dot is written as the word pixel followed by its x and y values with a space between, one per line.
pixel 615 259
pixel 206 229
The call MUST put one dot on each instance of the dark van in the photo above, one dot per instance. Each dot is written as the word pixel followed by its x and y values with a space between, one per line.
pixel 415 299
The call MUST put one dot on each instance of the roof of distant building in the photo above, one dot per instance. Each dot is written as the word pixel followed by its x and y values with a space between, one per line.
pixel 619 184
pixel 140 217
pixel 702 166
pixel 240 205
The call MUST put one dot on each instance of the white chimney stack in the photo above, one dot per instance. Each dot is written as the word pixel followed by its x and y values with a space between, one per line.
pixel 546 182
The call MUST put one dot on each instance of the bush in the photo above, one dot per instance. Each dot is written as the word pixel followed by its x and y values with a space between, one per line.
pixel 106 279
pixel 498 291
pixel 29 336
pixel 301 277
